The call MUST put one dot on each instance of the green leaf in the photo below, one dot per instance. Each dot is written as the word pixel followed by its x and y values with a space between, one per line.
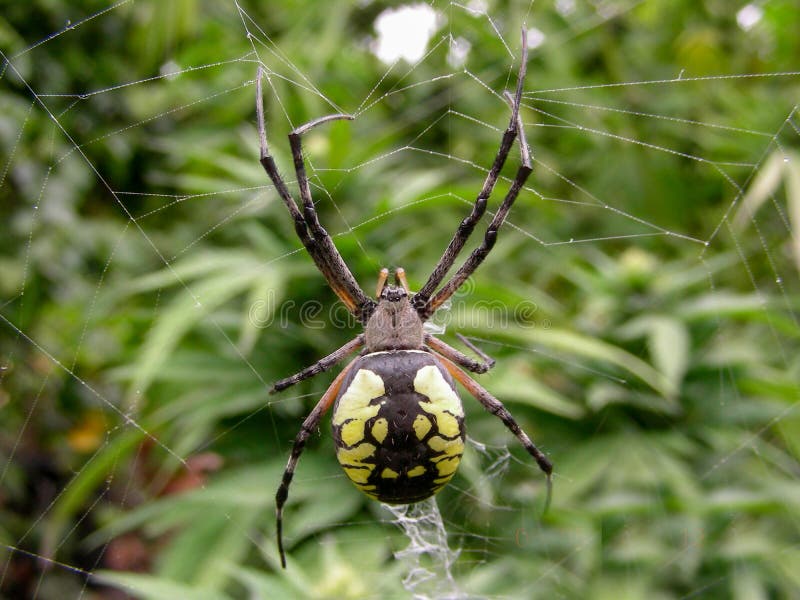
pixel 151 587
pixel 190 307
pixel 593 349
pixel 668 342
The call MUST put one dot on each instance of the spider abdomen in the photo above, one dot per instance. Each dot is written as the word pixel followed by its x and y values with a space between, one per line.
pixel 398 426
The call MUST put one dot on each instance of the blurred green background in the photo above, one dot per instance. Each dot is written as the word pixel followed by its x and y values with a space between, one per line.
pixel 642 305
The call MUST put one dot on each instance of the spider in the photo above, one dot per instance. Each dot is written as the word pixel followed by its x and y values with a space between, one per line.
pixel 398 424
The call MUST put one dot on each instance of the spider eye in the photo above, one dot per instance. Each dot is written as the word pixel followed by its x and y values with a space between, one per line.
pixel 393 294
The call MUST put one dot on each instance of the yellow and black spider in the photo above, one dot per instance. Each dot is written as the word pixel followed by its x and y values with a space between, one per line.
pixel 398 424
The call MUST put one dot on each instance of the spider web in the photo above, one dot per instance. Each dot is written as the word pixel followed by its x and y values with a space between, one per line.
pixel 646 335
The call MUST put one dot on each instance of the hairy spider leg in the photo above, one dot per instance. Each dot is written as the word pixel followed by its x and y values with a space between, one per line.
pixel 313 236
pixel 465 228
pixel 481 252
pixel 340 269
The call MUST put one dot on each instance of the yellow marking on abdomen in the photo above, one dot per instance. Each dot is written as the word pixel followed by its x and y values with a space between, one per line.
pixel 430 382
pixel 422 425
pixel 450 447
pixel 416 471
pixel 352 432
pixel 379 429
pixel 448 466
pixel 388 473
pixel 358 475
pixel 355 456
pixel 355 402
pixel 447 425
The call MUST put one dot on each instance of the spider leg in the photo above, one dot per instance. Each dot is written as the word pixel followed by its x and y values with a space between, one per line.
pixel 466 226
pixel 321 365
pixel 446 350
pixel 479 254
pixel 494 406
pixel 344 278
pixel 486 358
pixel 323 252
pixel 309 426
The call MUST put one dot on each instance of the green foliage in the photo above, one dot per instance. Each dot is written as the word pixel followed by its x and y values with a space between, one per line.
pixel 149 301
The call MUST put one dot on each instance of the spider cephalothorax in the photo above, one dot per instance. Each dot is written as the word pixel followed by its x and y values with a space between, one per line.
pixel 398 423
pixel 394 324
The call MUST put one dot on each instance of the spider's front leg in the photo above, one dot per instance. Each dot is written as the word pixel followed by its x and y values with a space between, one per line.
pixel 423 300
pixel 315 239
pixel 478 255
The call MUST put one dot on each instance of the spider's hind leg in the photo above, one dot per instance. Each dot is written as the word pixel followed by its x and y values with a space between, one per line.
pixel 309 426
pixel 494 406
